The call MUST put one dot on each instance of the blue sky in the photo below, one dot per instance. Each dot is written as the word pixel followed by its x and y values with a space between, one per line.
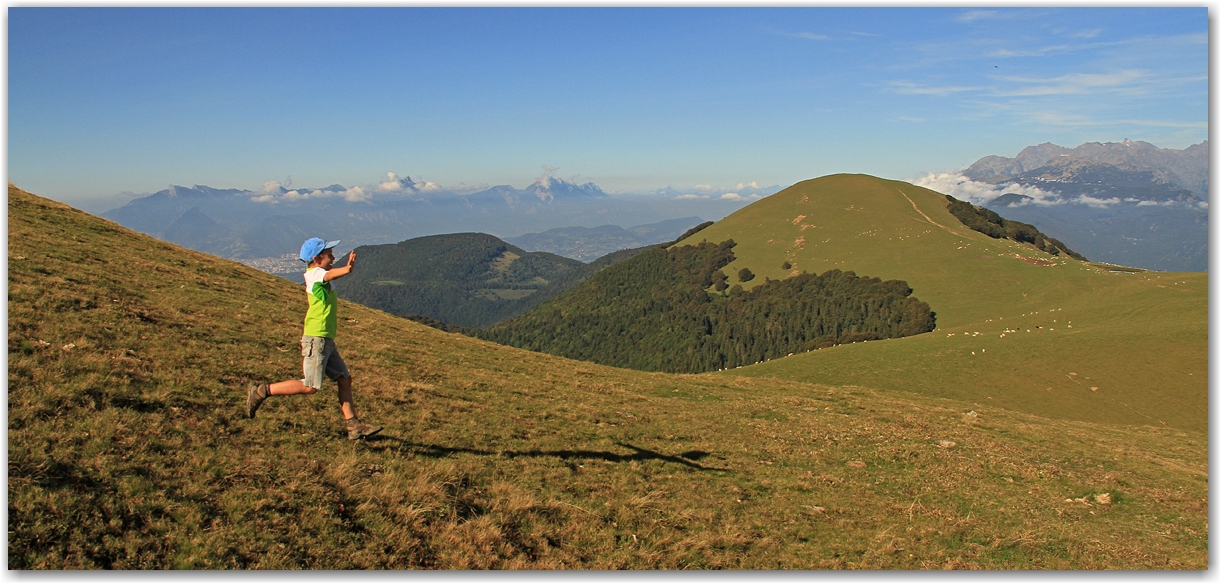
pixel 103 101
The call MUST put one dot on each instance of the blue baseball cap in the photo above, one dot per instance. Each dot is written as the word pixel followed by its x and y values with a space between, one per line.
pixel 314 247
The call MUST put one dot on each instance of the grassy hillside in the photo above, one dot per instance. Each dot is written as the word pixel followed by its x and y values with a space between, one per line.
pixel 127 447
pixel 1017 327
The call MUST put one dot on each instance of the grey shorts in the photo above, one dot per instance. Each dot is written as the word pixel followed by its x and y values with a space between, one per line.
pixel 321 358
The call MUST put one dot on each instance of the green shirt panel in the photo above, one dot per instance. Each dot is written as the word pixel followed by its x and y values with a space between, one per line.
pixel 322 317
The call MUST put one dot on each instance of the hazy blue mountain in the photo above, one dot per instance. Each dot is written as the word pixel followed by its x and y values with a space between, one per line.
pixel 586 244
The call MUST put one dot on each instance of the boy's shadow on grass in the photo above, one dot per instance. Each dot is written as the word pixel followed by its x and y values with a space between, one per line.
pixel 688 459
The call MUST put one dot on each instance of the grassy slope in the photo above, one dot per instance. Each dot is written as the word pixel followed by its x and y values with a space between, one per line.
pixel 1141 339
pixel 127 447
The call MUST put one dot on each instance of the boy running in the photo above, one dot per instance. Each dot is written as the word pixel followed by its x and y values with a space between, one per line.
pixel 318 342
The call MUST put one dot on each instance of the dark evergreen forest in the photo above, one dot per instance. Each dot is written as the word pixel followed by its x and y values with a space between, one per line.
pixel 673 311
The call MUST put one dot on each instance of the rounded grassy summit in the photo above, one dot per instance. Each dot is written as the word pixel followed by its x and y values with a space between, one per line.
pixel 1017 326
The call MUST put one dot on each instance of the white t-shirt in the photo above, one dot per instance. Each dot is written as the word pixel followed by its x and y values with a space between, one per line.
pixel 312 276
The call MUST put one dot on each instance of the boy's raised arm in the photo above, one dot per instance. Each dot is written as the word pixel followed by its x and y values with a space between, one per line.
pixel 342 271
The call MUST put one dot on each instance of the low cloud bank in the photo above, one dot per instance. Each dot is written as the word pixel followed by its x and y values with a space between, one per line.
pixel 395 186
pixel 275 192
pixel 960 187
pixel 742 192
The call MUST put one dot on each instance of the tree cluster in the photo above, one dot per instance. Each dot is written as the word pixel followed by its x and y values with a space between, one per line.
pixel 990 223
pixel 656 313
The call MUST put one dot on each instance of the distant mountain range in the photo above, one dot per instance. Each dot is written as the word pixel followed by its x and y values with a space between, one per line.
pixel 1187 169
pixel 247 225
pixel 586 244
pixel 1128 203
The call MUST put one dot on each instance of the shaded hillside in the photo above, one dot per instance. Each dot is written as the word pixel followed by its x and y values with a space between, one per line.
pixel 127 447
pixel 464 279
pixel 655 312
pixel 993 225
pixel 1017 327
pixel 1160 237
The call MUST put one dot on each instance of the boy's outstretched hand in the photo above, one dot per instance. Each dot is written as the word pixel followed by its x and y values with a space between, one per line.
pixel 341 271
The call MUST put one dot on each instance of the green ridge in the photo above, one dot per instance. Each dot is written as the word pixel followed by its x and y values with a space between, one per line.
pixel 1140 338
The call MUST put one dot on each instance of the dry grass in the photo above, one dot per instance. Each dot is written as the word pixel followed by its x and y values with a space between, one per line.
pixel 128 449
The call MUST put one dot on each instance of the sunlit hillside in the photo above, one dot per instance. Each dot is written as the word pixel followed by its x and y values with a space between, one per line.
pixel 128 447
pixel 1017 328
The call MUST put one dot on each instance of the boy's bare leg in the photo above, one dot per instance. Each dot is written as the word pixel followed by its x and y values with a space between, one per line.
pixel 346 405
pixel 259 393
pixel 293 387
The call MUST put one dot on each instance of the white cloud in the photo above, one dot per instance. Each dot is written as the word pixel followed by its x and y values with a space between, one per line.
pixel 973 15
pixel 960 187
pixel 908 88
pixel 1096 202
pixel 274 192
pixel 356 194
pixel 1167 124
pixel 978 15
pixel 1077 83
pixel 1029 52
pixel 733 196
pixel 393 183
pixel 804 35
pixel 743 191
pixel 1162 203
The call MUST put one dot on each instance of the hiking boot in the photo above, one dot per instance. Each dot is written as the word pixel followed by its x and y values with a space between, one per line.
pixel 360 430
pixel 255 398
